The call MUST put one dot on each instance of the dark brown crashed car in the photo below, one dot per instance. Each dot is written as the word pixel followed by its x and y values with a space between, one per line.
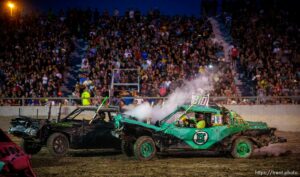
pixel 83 128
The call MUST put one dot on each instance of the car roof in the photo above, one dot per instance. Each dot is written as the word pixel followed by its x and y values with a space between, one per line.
pixel 199 108
pixel 94 108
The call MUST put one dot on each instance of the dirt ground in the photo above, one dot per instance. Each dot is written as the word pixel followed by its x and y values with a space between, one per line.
pixel 275 160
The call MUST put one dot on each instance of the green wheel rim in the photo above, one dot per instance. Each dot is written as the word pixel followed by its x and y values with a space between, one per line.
pixel 1 165
pixel 146 149
pixel 243 149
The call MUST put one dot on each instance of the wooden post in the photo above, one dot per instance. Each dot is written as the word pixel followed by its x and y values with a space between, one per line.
pixel 49 112
pixel 59 112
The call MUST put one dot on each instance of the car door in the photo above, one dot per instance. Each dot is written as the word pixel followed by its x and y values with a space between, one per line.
pixel 98 133
pixel 197 138
pixel 182 135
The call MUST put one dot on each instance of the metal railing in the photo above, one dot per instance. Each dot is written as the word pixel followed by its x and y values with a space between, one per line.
pixel 114 83
pixel 71 101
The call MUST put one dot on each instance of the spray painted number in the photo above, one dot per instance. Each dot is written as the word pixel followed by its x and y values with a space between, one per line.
pixel 200 138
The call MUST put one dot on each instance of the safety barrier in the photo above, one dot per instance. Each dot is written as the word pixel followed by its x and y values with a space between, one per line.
pixel 282 117
pixel 73 101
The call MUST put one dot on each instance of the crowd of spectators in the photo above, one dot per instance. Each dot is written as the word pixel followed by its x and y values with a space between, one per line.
pixel 268 49
pixel 34 52
pixel 165 50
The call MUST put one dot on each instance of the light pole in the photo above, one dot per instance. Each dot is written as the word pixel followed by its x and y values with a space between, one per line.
pixel 11 6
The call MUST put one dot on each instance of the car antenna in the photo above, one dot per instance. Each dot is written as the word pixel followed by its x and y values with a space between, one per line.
pixel 102 104
pixel 197 100
pixel 185 112
pixel 98 109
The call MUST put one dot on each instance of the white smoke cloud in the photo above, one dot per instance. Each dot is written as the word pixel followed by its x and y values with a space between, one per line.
pixel 180 96
pixel 141 112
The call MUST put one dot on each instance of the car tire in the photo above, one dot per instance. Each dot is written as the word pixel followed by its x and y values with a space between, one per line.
pixel 242 148
pixel 58 144
pixel 30 147
pixel 144 148
pixel 127 148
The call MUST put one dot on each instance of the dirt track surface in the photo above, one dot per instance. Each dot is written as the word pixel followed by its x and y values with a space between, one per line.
pixel 274 160
pixel 117 165
pixel 278 158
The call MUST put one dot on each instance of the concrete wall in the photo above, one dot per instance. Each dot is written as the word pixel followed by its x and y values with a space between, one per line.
pixel 34 111
pixel 282 117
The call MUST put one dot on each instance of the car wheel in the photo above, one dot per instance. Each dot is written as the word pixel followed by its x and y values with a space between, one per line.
pixel 144 148
pixel 127 148
pixel 58 144
pixel 30 147
pixel 242 148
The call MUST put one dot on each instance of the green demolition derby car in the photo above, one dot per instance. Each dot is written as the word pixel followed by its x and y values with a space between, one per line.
pixel 225 132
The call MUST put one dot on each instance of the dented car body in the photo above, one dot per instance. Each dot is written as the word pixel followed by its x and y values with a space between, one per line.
pixel 83 128
pixel 234 135
pixel 13 160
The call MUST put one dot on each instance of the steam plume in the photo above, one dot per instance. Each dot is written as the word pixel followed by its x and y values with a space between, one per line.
pixel 181 95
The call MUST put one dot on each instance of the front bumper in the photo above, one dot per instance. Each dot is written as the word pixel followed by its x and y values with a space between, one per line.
pixel 265 137
pixel 24 127
pixel 23 132
pixel 275 139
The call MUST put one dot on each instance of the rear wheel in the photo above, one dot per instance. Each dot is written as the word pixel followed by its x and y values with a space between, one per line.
pixel 144 148
pixel 30 147
pixel 242 148
pixel 127 148
pixel 58 144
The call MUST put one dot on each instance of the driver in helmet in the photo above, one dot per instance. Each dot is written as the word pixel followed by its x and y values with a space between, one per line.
pixel 200 121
